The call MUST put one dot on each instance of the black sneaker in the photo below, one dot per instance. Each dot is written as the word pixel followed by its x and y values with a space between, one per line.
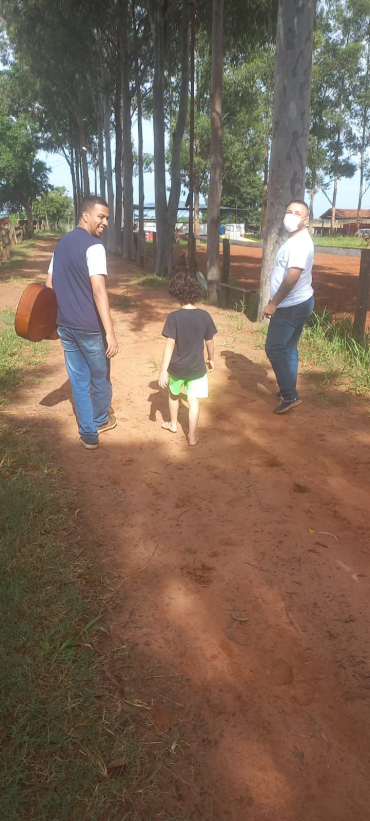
pixel 287 404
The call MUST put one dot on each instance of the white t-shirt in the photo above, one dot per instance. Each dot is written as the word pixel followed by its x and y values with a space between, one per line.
pixel 296 252
pixel 96 259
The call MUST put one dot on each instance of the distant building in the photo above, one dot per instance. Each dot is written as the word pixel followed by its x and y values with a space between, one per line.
pixel 345 221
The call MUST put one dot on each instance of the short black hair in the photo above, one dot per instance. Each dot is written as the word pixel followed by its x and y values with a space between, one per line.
pixel 300 202
pixel 185 288
pixel 90 200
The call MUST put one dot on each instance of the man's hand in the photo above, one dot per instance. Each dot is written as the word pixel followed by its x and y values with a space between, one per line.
pixel 269 310
pixel 210 364
pixel 163 379
pixel 112 346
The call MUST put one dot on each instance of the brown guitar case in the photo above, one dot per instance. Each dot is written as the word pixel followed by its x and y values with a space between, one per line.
pixel 36 314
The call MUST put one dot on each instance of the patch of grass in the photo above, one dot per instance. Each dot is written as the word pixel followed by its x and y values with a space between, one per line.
pixel 57 736
pixel 340 242
pixel 24 249
pixel 154 364
pixel 328 344
pixel 19 254
pixel 59 728
pixel 15 355
pixel 151 281
pixel 122 301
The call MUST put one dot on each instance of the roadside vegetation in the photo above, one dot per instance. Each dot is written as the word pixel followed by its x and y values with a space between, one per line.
pixel 340 242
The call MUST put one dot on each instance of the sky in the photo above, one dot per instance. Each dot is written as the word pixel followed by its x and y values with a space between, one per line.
pixel 60 175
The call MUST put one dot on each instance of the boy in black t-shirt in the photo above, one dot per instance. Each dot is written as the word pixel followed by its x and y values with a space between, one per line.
pixel 183 360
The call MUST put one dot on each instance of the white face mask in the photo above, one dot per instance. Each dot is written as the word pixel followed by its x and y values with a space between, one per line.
pixel 291 222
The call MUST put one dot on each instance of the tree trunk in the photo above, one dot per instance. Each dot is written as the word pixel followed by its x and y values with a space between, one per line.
pixel 196 213
pixel 83 147
pixel 289 146
pixel 140 251
pixel 118 214
pixel 28 210
pixel 177 137
pixel 312 197
pixel 265 186
pixel 128 248
pixel 81 177
pixel 363 139
pixel 156 10
pixel 70 160
pixel 108 156
pixel 101 148
pixel 335 185
pixel 215 181
pixel 78 183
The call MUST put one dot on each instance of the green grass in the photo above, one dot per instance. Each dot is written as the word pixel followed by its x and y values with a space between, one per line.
pixel 151 281
pixel 22 251
pixel 15 355
pixel 340 242
pixel 60 722
pixel 328 344
pixel 57 735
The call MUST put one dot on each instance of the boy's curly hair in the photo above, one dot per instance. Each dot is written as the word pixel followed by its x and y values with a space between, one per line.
pixel 185 288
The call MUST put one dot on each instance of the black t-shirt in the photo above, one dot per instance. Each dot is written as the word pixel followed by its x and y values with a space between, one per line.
pixel 190 327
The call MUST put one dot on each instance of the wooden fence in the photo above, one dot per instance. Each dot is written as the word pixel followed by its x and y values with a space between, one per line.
pixel 7 240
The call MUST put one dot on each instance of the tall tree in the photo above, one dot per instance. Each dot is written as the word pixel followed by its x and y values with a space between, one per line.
pixel 176 142
pixel 128 248
pixel 158 10
pixel 23 177
pixel 215 179
pixel 289 147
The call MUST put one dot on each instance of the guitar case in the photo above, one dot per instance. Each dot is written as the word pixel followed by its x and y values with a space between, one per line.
pixel 37 314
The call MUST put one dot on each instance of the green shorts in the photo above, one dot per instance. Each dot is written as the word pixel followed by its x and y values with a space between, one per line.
pixel 193 387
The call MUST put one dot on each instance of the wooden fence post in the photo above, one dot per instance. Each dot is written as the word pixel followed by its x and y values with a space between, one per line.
pixel 225 293
pixel 362 296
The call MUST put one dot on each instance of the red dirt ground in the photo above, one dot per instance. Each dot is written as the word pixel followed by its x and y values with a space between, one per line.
pixel 238 571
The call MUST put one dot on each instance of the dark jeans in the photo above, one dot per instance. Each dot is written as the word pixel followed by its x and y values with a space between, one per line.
pixel 282 340
pixel 88 369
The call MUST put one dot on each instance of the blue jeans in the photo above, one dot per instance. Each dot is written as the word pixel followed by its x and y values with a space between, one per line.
pixel 282 340
pixel 88 371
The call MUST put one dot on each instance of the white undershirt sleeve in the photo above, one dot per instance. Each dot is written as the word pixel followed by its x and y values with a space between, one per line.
pixel 50 269
pixel 96 259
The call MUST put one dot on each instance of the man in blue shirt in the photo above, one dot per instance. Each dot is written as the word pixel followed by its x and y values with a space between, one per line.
pixel 77 274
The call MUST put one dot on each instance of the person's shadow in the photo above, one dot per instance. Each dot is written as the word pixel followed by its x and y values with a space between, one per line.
pixel 62 394
pixel 159 405
pixel 249 375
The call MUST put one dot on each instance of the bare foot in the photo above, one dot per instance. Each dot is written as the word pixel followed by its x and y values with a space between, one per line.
pixel 194 441
pixel 169 426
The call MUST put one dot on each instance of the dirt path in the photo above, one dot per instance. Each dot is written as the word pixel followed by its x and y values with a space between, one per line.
pixel 236 573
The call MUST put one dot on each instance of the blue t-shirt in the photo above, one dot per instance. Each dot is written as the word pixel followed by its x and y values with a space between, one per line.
pixel 71 280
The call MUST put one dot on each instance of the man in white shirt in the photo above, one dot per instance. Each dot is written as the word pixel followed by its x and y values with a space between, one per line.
pixel 291 303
